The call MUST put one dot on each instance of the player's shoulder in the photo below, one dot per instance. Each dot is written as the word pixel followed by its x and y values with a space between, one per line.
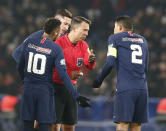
pixel 120 36
pixel 54 46
pixel 36 34
pixel 138 36
pixel 51 43
pixel 35 37
pixel 141 38
pixel 115 36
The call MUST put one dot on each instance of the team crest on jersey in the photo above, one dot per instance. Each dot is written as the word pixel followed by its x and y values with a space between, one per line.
pixel 79 62
pixel 62 62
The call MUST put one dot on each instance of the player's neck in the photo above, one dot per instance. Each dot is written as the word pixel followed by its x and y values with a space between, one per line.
pixel 72 38
pixel 126 30
pixel 47 36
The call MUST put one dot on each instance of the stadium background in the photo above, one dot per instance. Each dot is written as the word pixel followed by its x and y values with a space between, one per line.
pixel 19 18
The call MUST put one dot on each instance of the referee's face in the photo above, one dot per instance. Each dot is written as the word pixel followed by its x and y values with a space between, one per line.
pixel 82 31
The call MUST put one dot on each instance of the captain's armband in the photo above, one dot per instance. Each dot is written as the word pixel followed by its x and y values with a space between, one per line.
pixel 112 51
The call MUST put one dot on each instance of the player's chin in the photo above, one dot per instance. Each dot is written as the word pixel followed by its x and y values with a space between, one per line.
pixel 63 31
pixel 83 38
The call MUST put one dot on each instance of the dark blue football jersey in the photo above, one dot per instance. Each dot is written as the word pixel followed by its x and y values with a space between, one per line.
pixel 128 52
pixel 36 58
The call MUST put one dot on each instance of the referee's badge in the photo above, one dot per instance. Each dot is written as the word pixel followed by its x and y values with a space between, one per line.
pixel 79 62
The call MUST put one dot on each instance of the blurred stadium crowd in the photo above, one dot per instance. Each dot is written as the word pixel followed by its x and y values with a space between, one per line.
pixel 19 18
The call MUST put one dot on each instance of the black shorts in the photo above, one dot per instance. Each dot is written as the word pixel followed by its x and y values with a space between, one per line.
pixel 65 106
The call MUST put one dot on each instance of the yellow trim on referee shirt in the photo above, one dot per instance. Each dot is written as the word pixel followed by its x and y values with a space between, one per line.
pixel 112 51
pixel 88 50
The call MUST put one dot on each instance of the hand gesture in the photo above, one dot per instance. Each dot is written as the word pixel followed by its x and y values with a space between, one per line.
pixel 92 57
pixel 75 75
pixel 96 84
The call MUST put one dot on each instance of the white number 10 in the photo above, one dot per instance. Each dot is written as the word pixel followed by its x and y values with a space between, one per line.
pixel 137 51
pixel 34 61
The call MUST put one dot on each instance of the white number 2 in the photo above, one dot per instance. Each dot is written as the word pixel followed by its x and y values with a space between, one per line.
pixel 137 51
pixel 34 61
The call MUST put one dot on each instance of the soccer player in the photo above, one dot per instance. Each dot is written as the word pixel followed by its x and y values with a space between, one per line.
pixel 77 55
pixel 128 52
pixel 36 58
pixel 65 16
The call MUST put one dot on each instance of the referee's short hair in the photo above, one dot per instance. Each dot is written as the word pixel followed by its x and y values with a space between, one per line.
pixel 51 24
pixel 78 20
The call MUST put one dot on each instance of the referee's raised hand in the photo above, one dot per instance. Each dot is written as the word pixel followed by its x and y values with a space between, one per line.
pixel 92 57
pixel 83 101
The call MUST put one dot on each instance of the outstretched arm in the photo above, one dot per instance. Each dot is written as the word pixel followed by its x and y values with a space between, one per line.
pixel 106 69
pixel 109 64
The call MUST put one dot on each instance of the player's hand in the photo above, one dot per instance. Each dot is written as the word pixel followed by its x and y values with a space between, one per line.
pixel 83 101
pixel 75 75
pixel 96 84
pixel 92 57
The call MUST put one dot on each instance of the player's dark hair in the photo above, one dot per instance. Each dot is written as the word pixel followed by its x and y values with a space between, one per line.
pixel 126 22
pixel 64 12
pixel 51 24
pixel 79 20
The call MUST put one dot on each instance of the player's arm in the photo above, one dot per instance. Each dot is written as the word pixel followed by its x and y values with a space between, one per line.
pixel 89 57
pixel 18 56
pixel 109 64
pixel 18 51
pixel 61 69
pixel 21 65
pixel 147 58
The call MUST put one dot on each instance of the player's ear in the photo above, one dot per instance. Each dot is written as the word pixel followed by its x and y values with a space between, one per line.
pixel 120 27
pixel 55 33
pixel 74 27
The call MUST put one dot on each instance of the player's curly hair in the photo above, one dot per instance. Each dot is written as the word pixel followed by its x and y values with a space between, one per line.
pixel 51 24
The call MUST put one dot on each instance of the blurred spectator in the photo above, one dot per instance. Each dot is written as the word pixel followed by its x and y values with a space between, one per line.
pixel 8 113
pixel 8 103
pixel 161 111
